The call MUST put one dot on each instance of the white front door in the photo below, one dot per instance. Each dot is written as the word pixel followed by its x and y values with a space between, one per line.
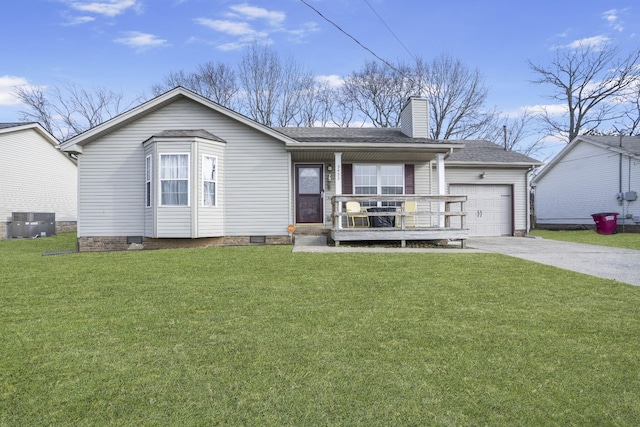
pixel 489 208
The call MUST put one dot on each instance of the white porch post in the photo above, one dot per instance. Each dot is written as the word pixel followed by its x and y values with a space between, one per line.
pixel 441 187
pixel 337 160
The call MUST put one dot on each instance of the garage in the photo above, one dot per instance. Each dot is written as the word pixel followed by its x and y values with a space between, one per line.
pixel 489 208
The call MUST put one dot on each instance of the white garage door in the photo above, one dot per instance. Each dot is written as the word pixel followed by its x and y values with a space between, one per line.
pixel 489 208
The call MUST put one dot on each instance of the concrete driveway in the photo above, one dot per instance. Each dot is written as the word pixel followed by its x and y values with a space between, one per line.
pixel 622 265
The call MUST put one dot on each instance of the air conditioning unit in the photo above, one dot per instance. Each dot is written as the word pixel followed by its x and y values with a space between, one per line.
pixel 32 224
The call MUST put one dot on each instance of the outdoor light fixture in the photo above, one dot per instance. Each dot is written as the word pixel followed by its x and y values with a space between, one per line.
pixel 483 175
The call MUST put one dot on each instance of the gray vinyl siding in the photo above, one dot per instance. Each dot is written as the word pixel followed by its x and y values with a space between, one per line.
pixel 35 177
pixel 423 178
pixel 585 182
pixel 497 176
pixel 253 187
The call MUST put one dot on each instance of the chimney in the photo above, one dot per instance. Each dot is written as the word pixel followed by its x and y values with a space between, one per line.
pixel 414 118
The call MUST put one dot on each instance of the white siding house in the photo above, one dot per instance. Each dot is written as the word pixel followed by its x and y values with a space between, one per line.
pixel 35 176
pixel 182 170
pixel 593 174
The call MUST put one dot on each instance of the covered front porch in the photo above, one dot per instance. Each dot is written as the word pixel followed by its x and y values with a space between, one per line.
pixel 399 217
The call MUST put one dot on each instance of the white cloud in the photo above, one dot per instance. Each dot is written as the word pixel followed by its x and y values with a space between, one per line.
pixel 613 18
pixel 78 20
pixel 7 85
pixel 274 18
pixel 592 42
pixel 249 23
pixel 108 8
pixel 332 80
pixel 550 109
pixel 141 41
pixel 232 28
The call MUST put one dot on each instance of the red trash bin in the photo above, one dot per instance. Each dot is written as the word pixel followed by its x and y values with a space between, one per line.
pixel 606 222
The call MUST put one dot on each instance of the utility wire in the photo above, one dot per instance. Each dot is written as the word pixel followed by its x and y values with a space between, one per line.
pixel 352 37
pixel 390 30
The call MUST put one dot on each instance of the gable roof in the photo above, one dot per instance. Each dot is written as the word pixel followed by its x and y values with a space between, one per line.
pixel 626 145
pixel 16 127
pixel 465 152
pixel 363 134
pixel 487 152
pixel 7 128
pixel 330 138
pixel 76 143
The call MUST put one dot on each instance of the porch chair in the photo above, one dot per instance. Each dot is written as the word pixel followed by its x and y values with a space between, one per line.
pixel 409 220
pixel 354 211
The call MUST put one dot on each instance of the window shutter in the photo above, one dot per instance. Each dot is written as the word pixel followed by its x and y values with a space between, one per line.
pixel 409 179
pixel 347 178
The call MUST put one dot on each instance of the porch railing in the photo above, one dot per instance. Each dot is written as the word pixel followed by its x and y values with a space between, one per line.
pixel 431 217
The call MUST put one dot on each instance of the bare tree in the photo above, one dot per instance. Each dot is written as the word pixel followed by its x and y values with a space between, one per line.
pixel 378 92
pixel 514 133
pixel 68 110
pixel 631 118
pixel 585 80
pixel 272 88
pixel 215 81
pixel 457 97
pixel 315 105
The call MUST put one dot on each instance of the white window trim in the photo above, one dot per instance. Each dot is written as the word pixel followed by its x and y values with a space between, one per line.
pixel 188 179
pixel 378 175
pixel 215 181
pixel 148 184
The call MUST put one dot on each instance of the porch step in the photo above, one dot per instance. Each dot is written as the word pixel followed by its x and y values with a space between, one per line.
pixel 310 240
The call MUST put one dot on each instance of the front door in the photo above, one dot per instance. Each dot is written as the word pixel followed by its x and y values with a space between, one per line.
pixel 309 190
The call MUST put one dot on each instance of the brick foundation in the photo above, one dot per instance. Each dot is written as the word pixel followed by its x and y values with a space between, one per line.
pixel 119 243
pixel 66 226
pixel 4 230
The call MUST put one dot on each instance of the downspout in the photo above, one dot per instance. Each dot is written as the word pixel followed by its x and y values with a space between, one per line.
pixel 291 196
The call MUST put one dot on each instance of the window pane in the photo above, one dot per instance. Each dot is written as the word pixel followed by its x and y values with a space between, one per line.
pixel 208 180
pixel 174 179
pixel 208 168
pixel 209 194
pixel 309 180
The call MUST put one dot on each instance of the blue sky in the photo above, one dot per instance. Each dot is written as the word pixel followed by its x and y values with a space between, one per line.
pixel 129 45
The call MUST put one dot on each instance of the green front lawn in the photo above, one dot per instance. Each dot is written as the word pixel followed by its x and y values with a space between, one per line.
pixel 263 336
pixel 618 240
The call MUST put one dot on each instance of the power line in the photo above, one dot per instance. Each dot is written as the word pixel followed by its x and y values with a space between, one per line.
pixel 350 36
pixel 390 30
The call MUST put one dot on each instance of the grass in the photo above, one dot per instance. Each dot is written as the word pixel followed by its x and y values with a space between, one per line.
pixel 619 240
pixel 263 336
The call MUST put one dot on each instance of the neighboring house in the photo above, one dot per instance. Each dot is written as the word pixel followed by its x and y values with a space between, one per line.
pixel 593 174
pixel 182 167
pixel 35 177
